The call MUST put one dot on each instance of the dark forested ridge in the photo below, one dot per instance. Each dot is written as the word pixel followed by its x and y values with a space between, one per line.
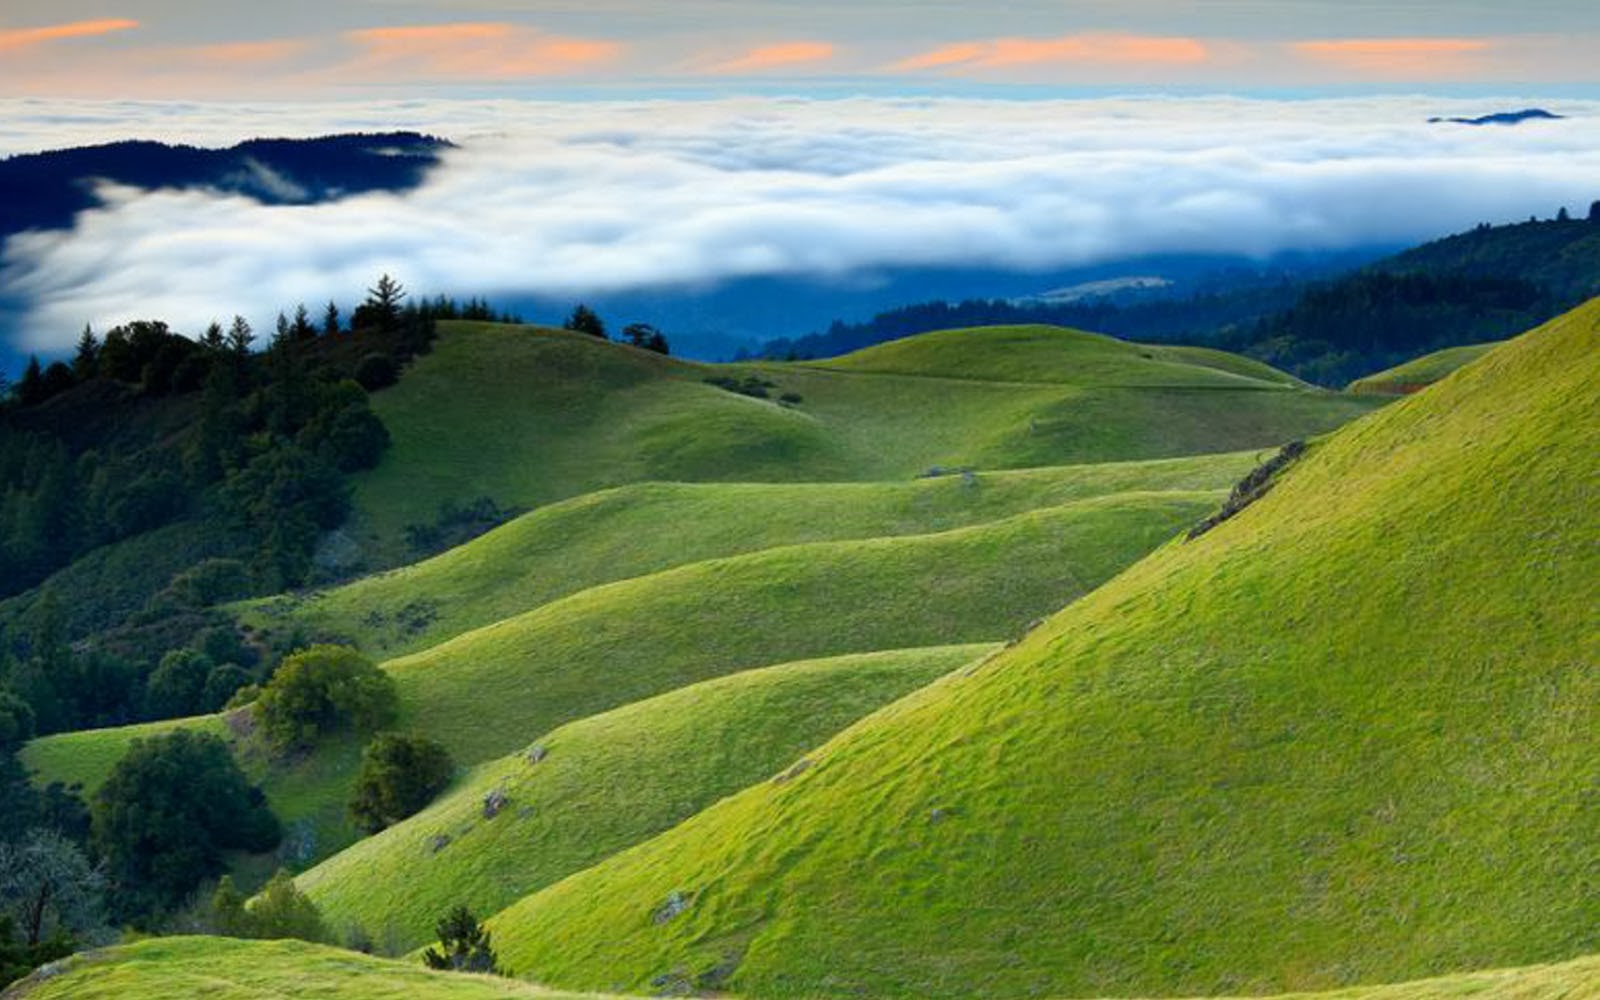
pixel 156 476
pixel 1485 284
pixel 46 190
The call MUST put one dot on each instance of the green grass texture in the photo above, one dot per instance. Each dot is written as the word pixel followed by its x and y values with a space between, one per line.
pixel 227 969
pixel 602 784
pixel 1419 373
pixel 528 416
pixel 1350 736
pixel 637 530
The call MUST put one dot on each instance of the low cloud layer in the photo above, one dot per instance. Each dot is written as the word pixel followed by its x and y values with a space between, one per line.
pixel 572 199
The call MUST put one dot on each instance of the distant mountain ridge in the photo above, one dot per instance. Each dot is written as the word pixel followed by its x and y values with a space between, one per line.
pixel 1481 285
pixel 1502 118
pixel 47 190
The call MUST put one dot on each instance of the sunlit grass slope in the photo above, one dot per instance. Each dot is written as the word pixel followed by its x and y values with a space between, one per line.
pixel 603 784
pixel 1350 736
pixel 217 968
pixel 1055 354
pixel 529 416
pixel 226 969
pixel 637 530
pixel 1421 372
pixel 488 692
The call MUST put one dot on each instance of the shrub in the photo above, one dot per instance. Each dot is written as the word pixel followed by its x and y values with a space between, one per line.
pixel 400 774
pixel 280 911
pixel 322 690
pixel 174 689
pixel 463 945
pixel 377 371
pixel 170 808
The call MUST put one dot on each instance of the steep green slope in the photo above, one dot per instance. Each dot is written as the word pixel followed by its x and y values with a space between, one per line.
pixel 603 784
pixel 1419 374
pixel 488 692
pixel 637 530
pixel 226 969
pixel 571 415
pixel 1349 736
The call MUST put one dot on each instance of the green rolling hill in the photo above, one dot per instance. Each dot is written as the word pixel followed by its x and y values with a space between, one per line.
pixel 489 691
pixel 225 969
pixel 603 784
pixel 638 530
pixel 1413 376
pixel 1349 736
pixel 571 415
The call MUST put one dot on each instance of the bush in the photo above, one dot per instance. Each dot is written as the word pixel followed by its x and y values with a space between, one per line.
pixel 377 371
pixel 170 808
pixel 280 911
pixel 400 774
pixel 322 690
pixel 16 721
pixel 463 945
pixel 175 688
pixel 213 581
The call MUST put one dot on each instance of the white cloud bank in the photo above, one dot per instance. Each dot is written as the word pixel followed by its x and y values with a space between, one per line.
pixel 572 198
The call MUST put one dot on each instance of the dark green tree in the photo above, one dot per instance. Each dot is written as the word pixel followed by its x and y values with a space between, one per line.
pixel 30 388
pixel 302 330
pixel 86 362
pixel 322 690
pixel 330 320
pixel 382 307
pixel 586 320
pixel 464 945
pixel 16 721
pixel 645 337
pixel 240 336
pixel 169 809
pixel 175 687
pixel 281 911
pixel 400 773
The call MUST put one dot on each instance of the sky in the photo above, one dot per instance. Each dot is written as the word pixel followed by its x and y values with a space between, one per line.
pixel 332 49
pixel 618 145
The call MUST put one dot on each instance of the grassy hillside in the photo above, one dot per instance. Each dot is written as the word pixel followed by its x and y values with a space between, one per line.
pixel 488 692
pixel 225 969
pixel 1421 373
pixel 1349 736
pixel 572 415
pixel 603 784
pixel 1034 354
pixel 637 530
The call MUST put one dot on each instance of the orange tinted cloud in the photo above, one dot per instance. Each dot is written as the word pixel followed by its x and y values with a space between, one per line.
pixel 1399 58
pixel 474 51
pixel 19 38
pixel 1001 53
pixel 782 55
pixel 246 53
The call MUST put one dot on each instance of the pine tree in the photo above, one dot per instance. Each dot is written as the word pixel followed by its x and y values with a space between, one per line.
pixel 31 389
pixel 301 329
pixel 383 303
pixel 586 320
pixel 465 945
pixel 86 362
pixel 330 320
pixel 212 338
pixel 239 336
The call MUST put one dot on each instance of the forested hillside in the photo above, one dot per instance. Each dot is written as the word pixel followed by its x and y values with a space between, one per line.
pixel 1483 285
